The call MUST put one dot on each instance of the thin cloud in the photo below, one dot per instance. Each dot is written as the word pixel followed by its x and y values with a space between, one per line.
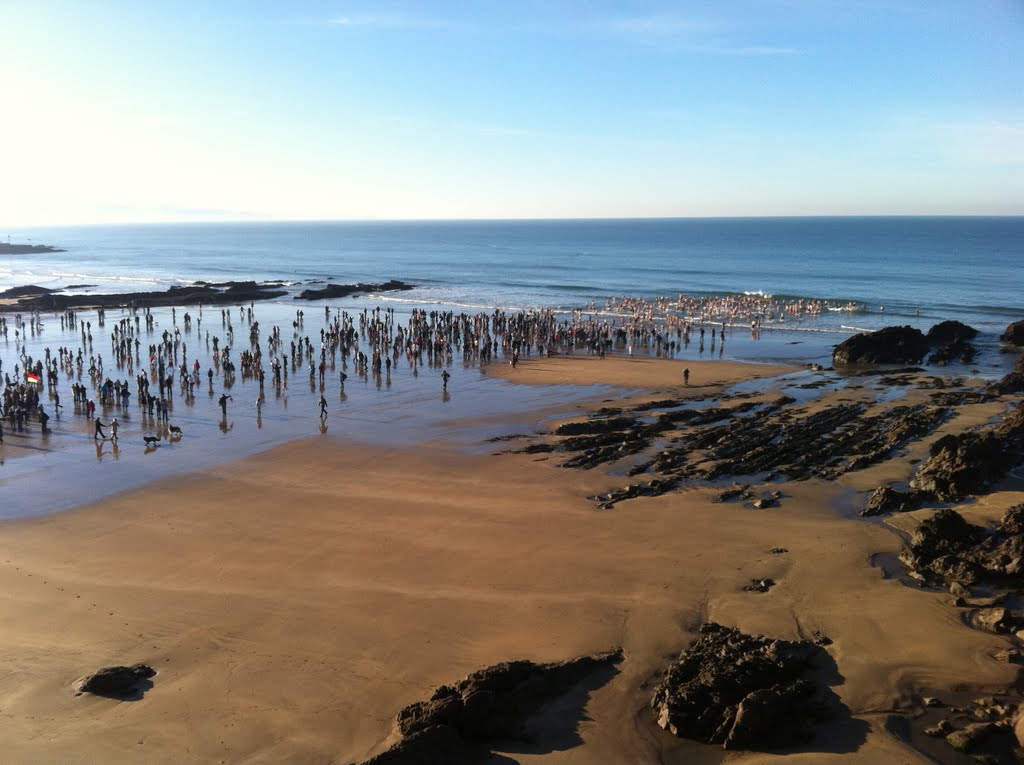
pixel 689 34
pixel 756 50
pixel 388 21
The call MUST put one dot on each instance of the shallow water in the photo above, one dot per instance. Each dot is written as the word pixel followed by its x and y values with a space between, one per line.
pixel 69 467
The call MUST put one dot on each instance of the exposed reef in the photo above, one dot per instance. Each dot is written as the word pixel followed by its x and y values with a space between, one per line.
pixel 345 290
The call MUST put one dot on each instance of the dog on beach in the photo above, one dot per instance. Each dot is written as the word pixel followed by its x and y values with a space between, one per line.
pixel 175 430
pixel 151 440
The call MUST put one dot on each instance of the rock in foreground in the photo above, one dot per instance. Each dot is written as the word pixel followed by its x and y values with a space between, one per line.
pixel 119 682
pixel 459 722
pixel 945 548
pixel 741 691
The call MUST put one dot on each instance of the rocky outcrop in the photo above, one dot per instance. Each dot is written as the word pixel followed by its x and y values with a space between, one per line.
pixel 969 463
pixel 945 548
pixel 741 691
pixel 345 290
pixel 117 682
pixel 892 345
pixel 950 332
pixel 938 545
pixel 24 291
pixel 951 341
pixel 459 722
pixel 885 500
pixel 1014 334
pixel 437 745
pixel 198 293
pixel 27 249
pixel 1013 382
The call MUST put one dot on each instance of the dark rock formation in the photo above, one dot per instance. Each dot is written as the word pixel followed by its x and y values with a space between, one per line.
pixel 26 290
pixel 906 345
pixel 1014 334
pixel 892 345
pixel 1013 382
pixel 967 739
pixel 759 585
pixel 27 249
pixel 740 691
pixel 946 548
pixel 969 463
pixel 736 491
pixel 437 745
pixel 957 350
pixel 344 290
pixel 886 500
pixel 117 682
pixel 207 294
pixel 589 427
pixel 458 723
pixel 950 332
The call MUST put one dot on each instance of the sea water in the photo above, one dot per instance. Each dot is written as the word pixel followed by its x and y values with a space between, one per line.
pixel 895 270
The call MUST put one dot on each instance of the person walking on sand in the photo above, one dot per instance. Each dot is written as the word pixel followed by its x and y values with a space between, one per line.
pixel 99 431
pixel 114 425
pixel 686 376
pixel 445 376
pixel 223 401
pixel 323 407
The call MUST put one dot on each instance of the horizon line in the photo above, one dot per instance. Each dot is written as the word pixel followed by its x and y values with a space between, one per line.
pixel 581 219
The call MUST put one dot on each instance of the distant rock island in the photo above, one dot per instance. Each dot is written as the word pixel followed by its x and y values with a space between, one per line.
pixel 34 297
pixel 6 248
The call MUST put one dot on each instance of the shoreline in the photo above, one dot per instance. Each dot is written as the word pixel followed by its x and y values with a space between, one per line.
pixel 294 600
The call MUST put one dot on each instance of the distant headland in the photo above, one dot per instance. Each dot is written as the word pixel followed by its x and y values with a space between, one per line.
pixel 6 248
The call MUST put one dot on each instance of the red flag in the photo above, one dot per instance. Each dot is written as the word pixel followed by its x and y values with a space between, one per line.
pixel 29 377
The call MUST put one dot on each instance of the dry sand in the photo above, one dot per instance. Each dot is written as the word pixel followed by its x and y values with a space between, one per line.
pixel 294 601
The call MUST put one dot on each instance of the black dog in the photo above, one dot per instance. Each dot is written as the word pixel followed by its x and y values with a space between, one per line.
pixel 151 440
pixel 175 430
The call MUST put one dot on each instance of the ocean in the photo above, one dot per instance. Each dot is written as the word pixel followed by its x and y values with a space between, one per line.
pixel 900 270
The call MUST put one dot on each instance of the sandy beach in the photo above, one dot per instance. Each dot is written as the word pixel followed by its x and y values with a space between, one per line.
pixel 294 601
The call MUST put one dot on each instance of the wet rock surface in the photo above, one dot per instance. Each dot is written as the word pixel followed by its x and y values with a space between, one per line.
pixel 762 439
pixel 459 722
pixel 969 463
pixel 118 681
pixel 741 691
pixel 946 549
pixel 891 345
pixel 950 340
pixel 885 500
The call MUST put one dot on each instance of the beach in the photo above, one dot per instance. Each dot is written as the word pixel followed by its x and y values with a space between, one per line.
pixel 293 601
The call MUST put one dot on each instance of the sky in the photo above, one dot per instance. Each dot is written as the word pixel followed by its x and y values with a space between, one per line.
pixel 172 110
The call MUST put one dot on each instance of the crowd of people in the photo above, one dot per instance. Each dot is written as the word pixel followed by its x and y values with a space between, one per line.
pixel 154 364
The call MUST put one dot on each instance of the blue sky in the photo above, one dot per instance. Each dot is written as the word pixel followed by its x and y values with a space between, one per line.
pixel 386 110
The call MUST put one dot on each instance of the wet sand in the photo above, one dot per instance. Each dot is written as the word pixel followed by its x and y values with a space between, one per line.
pixel 293 601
